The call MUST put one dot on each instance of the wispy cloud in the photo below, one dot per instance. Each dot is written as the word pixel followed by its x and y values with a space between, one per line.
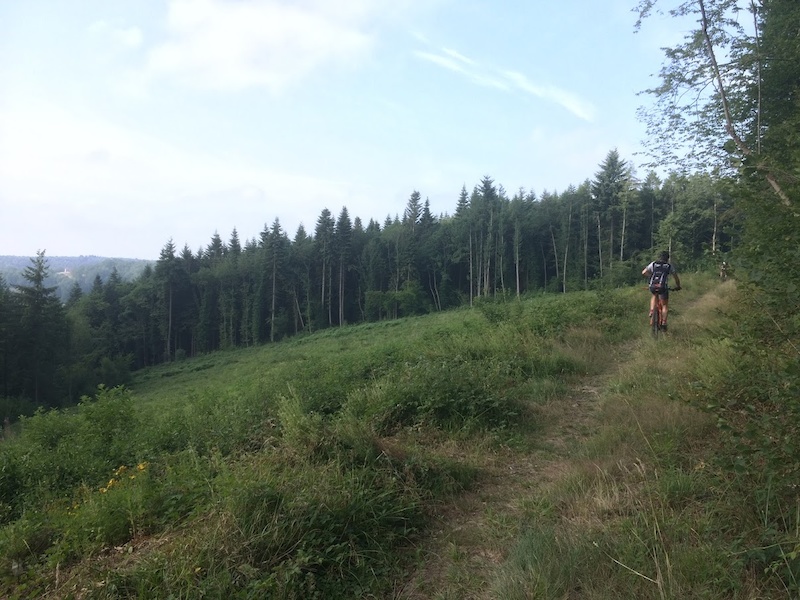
pixel 507 80
pixel 462 65
pixel 573 103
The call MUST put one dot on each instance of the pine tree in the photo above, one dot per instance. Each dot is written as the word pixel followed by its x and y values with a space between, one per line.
pixel 44 333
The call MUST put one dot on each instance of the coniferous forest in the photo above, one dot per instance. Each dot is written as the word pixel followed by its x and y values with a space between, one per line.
pixel 236 292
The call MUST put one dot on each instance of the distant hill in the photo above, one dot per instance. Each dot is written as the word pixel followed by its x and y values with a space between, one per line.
pixel 66 270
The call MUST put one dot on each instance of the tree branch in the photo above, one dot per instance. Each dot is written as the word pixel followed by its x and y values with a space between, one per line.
pixel 740 144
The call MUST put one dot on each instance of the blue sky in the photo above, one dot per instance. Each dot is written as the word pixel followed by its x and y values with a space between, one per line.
pixel 125 123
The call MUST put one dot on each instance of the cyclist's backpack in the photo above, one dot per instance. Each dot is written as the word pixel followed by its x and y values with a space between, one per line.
pixel 658 278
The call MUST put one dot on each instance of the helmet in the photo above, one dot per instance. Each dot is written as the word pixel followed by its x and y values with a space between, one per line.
pixel 664 256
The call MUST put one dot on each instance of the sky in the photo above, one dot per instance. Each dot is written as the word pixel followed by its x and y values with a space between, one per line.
pixel 128 123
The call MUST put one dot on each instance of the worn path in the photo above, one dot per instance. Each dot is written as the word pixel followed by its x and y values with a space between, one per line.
pixel 475 532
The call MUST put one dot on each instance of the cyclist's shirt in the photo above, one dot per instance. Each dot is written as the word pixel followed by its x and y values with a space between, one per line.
pixel 659 276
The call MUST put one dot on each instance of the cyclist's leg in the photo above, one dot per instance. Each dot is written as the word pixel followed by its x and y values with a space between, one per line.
pixel 664 308
pixel 653 298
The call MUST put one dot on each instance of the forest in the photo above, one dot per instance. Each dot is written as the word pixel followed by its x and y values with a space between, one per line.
pixel 245 292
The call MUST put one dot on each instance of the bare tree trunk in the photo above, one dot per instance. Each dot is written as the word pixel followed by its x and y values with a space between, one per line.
pixel 168 353
pixel 555 252
pixel 585 248
pixel 714 233
pixel 611 245
pixel 544 264
pixel 341 292
pixel 487 257
pixel 516 255
pixel 566 249
pixel 274 295
pixel 471 276
pixel 499 257
pixel 599 246
pixel 322 293
pixel 299 311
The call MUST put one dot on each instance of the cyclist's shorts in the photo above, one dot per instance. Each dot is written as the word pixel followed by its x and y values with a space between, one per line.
pixel 662 291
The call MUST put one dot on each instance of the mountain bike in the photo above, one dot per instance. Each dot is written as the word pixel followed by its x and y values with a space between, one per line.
pixel 656 326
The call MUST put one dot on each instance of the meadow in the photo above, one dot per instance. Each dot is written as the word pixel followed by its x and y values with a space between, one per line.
pixel 329 465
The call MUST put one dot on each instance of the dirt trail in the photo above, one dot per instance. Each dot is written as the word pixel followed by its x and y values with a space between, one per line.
pixel 474 533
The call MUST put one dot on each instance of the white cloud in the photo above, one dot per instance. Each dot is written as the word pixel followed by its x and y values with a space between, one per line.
pixel 127 37
pixel 508 80
pixel 574 104
pixel 215 44
pixel 462 65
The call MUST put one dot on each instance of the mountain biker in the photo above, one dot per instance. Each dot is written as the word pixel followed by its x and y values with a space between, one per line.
pixel 659 271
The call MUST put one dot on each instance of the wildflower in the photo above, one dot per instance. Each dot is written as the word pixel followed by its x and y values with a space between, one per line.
pixel 141 466
pixel 103 490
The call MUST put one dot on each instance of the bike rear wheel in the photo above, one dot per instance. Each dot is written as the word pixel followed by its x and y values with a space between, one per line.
pixel 655 325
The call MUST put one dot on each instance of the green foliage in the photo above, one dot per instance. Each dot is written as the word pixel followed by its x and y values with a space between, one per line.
pixel 279 470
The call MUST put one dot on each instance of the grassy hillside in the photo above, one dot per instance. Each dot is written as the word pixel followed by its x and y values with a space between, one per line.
pixel 324 466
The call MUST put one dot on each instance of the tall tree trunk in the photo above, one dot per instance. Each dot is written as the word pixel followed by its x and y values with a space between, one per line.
pixel 471 274
pixel 274 295
pixel 516 255
pixel 341 292
pixel 611 245
pixel 714 233
pixel 168 352
pixel 544 265
pixel 599 246
pixel 488 257
pixel 322 289
pixel 566 249
pixel 555 252
pixel 585 228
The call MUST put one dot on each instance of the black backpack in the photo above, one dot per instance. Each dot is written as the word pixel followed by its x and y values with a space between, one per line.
pixel 658 278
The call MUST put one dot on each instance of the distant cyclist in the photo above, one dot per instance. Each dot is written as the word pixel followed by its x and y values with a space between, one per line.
pixel 659 271
pixel 723 271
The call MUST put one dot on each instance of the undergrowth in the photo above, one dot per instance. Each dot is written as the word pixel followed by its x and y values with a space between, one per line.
pixel 682 492
pixel 304 469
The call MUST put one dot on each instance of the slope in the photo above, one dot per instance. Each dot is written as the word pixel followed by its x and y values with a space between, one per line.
pixel 410 458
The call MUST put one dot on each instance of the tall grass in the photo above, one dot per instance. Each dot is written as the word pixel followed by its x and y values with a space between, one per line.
pixel 643 508
pixel 308 468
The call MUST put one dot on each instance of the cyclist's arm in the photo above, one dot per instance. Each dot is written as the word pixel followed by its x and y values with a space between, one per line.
pixel 677 280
